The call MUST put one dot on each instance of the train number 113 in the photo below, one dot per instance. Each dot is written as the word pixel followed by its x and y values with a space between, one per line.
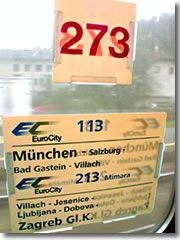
pixel 93 125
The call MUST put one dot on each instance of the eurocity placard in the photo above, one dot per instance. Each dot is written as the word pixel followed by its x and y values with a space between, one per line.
pixel 71 170
pixel 94 42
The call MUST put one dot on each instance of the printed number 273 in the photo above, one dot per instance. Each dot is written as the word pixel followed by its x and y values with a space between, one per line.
pixel 69 40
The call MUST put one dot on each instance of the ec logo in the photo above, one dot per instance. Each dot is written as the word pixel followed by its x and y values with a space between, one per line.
pixel 147 123
pixel 26 128
pixel 27 183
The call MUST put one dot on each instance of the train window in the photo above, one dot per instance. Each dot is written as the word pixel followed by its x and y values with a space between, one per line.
pixel 27 89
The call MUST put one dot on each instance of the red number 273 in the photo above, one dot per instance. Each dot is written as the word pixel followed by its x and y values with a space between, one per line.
pixel 69 40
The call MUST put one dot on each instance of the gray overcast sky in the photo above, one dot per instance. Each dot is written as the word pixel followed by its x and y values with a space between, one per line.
pixel 25 24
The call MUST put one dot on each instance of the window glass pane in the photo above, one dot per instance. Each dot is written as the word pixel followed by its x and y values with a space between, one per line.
pixel 16 67
pixel 27 67
pixel 49 68
pixel 26 88
pixel 157 69
pixel 171 70
pixel 38 68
